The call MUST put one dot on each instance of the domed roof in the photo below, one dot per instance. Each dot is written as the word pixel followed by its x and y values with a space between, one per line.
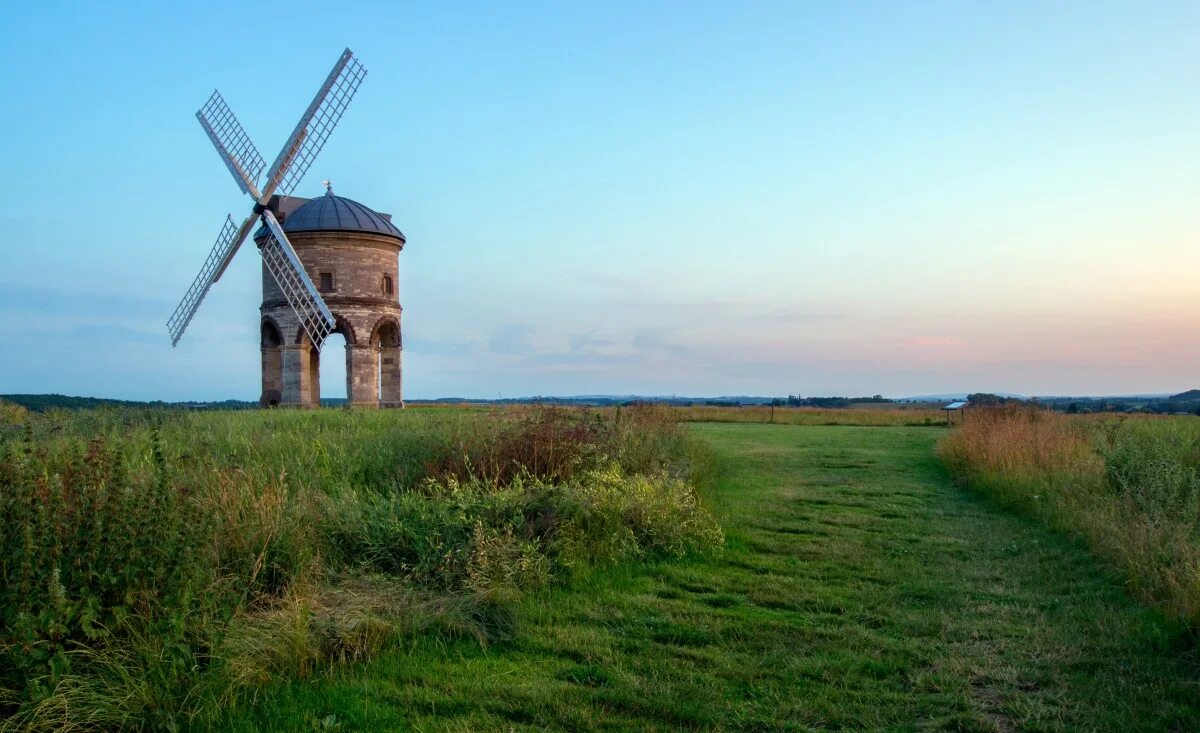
pixel 330 213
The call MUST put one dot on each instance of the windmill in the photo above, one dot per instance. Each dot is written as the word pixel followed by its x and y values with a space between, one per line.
pixel 246 165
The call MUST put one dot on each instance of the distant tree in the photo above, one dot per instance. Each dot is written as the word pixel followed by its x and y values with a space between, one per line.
pixel 986 399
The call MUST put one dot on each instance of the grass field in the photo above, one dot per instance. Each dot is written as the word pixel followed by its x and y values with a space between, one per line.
pixel 864 414
pixel 157 566
pixel 1128 487
pixel 860 590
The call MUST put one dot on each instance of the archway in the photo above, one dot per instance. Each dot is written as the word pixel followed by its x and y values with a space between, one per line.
pixel 330 370
pixel 271 341
pixel 332 366
pixel 386 339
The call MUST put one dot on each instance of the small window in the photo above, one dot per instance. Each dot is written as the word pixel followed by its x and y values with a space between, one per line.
pixel 326 284
pixel 387 285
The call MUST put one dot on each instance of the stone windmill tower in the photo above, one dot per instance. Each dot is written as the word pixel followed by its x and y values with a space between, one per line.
pixel 329 263
pixel 350 253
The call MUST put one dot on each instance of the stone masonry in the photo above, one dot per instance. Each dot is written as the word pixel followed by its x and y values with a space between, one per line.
pixel 357 274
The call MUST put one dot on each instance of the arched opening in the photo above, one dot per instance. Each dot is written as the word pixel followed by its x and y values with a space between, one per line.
pixel 387 342
pixel 272 364
pixel 270 334
pixel 332 387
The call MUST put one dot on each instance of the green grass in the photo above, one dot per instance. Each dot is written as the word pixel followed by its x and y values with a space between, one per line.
pixel 860 590
pixel 1129 488
pixel 158 566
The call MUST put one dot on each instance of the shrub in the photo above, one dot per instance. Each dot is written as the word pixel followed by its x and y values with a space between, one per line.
pixel 115 568
pixel 485 537
pixel 661 515
pixel 90 540
pixel 549 443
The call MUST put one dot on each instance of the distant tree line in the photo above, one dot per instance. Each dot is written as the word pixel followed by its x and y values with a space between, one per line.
pixel 987 399
pixel 1183 403
pixel 43 402
pixel 1143 405
pixel 798 401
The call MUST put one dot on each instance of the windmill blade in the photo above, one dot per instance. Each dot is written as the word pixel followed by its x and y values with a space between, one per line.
pixel 315 126
pixel 298 290
pixel 227 243
pixel 232 143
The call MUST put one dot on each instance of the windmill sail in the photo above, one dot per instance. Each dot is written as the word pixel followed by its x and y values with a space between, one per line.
pixel 246 165
pixel 315 125
pixel 232 143
pixel 298 289
pixel 226 244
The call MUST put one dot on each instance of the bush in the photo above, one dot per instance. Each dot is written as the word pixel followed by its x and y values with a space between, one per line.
pixel 484 537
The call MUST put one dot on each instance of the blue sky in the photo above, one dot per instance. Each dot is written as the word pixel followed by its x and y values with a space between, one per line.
pixel 690 198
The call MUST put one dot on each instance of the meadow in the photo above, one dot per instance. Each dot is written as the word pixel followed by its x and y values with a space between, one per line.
pixel 159 565
pixel 1129 487
pixel 859 589
pixel 549 569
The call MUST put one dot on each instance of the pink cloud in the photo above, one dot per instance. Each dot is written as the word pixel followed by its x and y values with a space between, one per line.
pixel 926 342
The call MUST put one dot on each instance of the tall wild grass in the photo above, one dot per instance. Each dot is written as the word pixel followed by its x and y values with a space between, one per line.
pixel 155 565
pixel 1130 487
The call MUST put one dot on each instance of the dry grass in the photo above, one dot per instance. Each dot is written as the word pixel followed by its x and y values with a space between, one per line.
pixel 1128 487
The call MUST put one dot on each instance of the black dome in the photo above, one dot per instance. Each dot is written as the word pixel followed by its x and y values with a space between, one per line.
pixel 331 213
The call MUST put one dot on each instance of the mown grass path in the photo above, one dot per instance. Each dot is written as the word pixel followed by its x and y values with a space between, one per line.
pixel 860 590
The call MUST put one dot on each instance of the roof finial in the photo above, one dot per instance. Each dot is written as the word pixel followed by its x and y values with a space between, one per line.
pixel 328 187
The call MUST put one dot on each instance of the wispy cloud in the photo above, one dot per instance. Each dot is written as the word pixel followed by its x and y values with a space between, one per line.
pixel 113 334
pixel 63 301
pixel 587 343
pixel 440 347
pixel 659 342
pixel 512 339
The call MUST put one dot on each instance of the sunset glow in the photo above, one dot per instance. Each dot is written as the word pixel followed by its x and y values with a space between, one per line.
pixel 683 199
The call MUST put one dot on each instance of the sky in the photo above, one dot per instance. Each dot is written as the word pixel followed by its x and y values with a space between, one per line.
pixel 683 198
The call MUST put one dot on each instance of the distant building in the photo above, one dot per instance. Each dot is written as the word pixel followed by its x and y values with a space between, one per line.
pixel 954 407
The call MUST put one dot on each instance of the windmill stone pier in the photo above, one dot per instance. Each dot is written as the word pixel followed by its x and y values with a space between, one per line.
pixel 350 253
